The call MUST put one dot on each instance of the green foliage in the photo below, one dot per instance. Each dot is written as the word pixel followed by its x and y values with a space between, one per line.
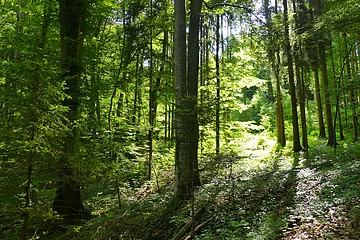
pixel 248 191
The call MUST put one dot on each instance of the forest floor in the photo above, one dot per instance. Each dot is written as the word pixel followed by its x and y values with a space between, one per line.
pixel 257 193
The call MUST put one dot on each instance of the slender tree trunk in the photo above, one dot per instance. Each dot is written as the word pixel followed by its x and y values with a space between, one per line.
pixel 34 118
pixel 244 90
pixel 302 100
pixel 279 106
pixel 136 92
pixel 274 56
pixel 217 108
pixel 324 80
pixel 300 87
pixel 322 133
pixel 299 24
pixel 352 92
pixel 325 83
pixel 337 88
pixel 152 101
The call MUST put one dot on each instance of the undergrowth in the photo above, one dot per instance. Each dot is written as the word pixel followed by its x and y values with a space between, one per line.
pixel 249 194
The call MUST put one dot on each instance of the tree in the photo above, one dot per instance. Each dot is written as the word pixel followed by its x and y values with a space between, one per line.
pixel 68 201
pixel 296 138
pixel 324 78
pixel 299 70
pixel 352 90
pixel 274 58
pixel 193 79
pixel 217 109
pixel 183 186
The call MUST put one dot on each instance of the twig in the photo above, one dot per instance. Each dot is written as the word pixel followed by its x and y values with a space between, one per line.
pixel 187 226
pixel 197 229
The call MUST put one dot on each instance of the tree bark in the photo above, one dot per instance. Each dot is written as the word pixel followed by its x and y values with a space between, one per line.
pixel 322 133
pixel 353 103
pixel 274 57
pixel 68 201
pixel 325 83
pixel 337 88
pixel 152 101
pixel 296 136
pixel 217 107
pixel 324 79
pixel 183 186
pixel 193 78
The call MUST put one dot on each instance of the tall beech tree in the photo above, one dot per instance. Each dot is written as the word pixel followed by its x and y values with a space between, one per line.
pixel 296 136
pixel 299 10
pixel 186 88
pixel 324 77
pixel 273 52
pixel 68 201
pixel 193 79
pixel 183 186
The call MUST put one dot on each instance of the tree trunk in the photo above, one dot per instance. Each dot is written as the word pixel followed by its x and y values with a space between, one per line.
pixel 67 201
pixel 337 88
pixel 217 108
pixel 302 100
pixel 353 103
pixel 279 106
pixel 324 79
pixel 325 83
pixel 193 76
pixel 322 133
pixel 296 136
pixel 244 90
pixel 274 57
pixel 152 101
pixel 183 186
pixel 300 88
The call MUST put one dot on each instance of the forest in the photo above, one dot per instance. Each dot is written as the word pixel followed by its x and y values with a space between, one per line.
pixel 179 119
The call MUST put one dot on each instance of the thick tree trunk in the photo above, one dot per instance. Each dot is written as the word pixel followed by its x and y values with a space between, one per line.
pixel 193 76
pixel 67 201
pixel 183 186
pixel 296 136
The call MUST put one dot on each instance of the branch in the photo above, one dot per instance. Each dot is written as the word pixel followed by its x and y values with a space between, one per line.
pixel 249 10
pixel 196 230
pixel 187 226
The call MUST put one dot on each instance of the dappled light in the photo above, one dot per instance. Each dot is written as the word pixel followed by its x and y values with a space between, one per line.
pixel 179 120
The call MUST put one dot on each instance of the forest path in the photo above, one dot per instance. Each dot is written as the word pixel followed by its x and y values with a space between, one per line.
pixel 268 195
pixel 254 193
